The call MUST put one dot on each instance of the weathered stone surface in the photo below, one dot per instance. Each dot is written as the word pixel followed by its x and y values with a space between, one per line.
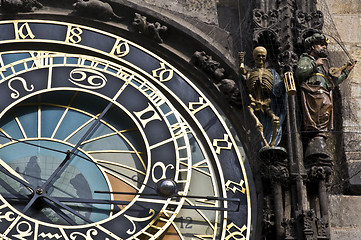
pixel 351 33
pixel 205 11
pixel 346 15
pixel 345 213
pixel 354 167
pixel 345 233
pixel 344 6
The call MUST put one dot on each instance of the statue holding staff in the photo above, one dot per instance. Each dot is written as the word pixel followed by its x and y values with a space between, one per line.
pixel 267 97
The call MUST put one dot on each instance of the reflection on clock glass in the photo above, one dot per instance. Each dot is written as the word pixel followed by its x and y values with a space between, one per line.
pixel 36 136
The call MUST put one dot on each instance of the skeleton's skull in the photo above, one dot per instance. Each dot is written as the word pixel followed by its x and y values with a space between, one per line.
pixel 259 55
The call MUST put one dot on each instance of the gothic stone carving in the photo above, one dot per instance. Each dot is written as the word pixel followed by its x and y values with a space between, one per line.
pixel 231 91
pixel 15 6
pixel 152 30
pixel 265 23
pixel 208 65
pixel 95 9
pixel 308 22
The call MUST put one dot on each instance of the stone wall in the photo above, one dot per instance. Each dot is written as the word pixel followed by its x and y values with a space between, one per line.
pixel 205 11
pixel 347 18
pixel 345 220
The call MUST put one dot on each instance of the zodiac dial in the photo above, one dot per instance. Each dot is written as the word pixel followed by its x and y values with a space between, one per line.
pixel 102 139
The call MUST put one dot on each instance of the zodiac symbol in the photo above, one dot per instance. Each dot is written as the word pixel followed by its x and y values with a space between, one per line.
pixel 16 93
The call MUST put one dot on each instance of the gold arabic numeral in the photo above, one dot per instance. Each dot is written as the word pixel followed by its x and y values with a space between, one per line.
pixel 163 168
pixel 222 144
pixel 120 48
pixel 73 34
pixel 186 222
pixel 138 219
pixel 234 186
pixel 198 106
pixel 147 115
pixel 162 73
pixel 23 31
pixel 234 232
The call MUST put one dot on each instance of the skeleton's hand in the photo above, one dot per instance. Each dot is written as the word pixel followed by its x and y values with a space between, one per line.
pixel 241 62
pixel 241 56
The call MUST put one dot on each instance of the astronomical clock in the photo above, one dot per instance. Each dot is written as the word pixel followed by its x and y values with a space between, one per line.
pixel 101 138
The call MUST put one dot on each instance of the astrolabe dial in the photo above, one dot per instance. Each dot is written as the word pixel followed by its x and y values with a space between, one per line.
pixel 67 148
pixel 91 149
pixel 45 127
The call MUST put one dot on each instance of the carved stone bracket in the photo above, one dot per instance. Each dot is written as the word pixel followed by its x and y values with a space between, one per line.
pixel 152 30
pixel 276 173
pixel 319 172
pixel 231 91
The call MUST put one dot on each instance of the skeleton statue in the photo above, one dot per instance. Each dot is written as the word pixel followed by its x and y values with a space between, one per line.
pixel 266 92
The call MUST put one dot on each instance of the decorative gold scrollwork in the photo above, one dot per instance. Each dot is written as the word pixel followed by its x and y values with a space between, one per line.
pixel 88 236
pixel 135 219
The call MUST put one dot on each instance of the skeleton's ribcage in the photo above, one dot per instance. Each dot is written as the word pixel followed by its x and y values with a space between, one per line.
pixel 257 82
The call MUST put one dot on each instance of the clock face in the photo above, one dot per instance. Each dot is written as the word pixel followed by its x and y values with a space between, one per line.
pixel 116 147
